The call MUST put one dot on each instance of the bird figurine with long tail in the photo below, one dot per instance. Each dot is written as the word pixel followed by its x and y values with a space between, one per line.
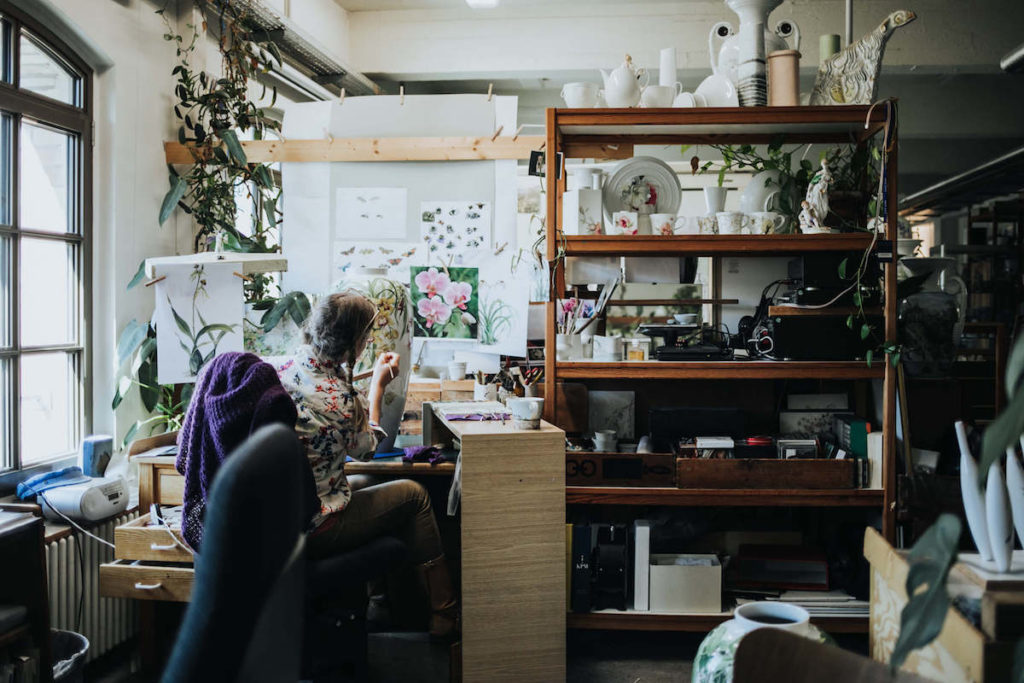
pixel 851 75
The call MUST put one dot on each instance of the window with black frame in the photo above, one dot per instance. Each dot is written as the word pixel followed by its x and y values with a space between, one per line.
pixel 45 208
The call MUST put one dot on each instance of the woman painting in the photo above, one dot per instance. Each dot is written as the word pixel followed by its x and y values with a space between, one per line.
pixel 335 421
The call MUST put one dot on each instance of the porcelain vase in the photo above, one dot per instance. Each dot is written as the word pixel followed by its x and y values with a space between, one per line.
pixel 717 652
pixel 714 198
pixel 391 332
pixel 997 517
pixel 751 82
pixel 973 504
pixel 1015 489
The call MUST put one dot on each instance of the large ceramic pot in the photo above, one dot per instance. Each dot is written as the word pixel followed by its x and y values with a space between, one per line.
pixel 391 331
pixel 717 652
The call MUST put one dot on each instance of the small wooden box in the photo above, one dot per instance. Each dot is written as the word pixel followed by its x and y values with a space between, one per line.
pixel 587 468
pixel 700 473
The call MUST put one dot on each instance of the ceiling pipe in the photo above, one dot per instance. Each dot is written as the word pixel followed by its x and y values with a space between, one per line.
pixel 1013 61
pixel 849 22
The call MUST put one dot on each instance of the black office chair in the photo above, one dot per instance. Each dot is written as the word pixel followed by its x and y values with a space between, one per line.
pixel 259 611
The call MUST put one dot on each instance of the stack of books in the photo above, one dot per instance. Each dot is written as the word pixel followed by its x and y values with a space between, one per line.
pixel 835 603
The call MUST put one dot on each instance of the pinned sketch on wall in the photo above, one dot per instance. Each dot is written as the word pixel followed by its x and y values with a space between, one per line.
pixel 504 305
pixel 199 313
pixel 379 212
pixel 445 302
pixel 395 257
pixel 453 232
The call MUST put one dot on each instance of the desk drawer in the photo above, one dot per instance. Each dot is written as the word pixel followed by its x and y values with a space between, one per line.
pixel 142 581
pixel 138 541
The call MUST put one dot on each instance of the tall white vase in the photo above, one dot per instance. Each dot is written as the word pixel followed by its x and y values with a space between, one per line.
pixel 973 505
pixel 391 331
pixel 751 78
pixel 1015 489
pixel 997 516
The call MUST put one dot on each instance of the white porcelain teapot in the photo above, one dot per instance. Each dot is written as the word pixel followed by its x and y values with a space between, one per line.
pixel 623 85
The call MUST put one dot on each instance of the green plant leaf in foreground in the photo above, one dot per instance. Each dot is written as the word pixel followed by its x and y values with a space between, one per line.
pixel 133 334
pixel 173 196
pixel 1004 431
pixel 925 612
pixel 139 274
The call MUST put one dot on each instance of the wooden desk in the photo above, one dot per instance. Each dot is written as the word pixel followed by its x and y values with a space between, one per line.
pixel 513 550
pixel 512 541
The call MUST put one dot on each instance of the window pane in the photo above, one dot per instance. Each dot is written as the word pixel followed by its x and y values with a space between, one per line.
pixel 6 291
pixel 48 271
pixel 6 416
pixel 49 406
pixel 6 164
pixel 42 73
pixel 5 51
pixel 46 168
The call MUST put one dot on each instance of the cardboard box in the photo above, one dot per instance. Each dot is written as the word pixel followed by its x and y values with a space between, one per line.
pixel 686 584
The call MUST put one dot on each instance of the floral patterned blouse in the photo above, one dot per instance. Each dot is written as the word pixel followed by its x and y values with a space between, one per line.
pixel 326 405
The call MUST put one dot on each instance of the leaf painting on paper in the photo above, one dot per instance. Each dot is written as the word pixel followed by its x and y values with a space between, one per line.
pixel 504 306
pixel 370 211
pixel 445 302
pixel 199 315
pixel 453 232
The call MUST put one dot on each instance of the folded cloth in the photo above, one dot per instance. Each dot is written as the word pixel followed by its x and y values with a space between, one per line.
pixel 431 454
pixel 51 480
pixel 235 395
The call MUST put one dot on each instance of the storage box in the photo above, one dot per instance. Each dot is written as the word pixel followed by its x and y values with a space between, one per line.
pixel 686 584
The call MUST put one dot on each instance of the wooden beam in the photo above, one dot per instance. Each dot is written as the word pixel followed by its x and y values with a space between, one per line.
pixel 375 149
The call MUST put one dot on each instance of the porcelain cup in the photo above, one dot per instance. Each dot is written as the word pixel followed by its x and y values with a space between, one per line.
pixel 708 224
pixel 688 225
pixel 685 318
pixel 580 95
pixel 485 392
pixel 731 222
pixel 456 370
pixel 624 223
pixel 659 96
pixel 568 346
pixel 607 349
pixel 663 223
pixel 766 222
pixel 524 408
pixel 605 441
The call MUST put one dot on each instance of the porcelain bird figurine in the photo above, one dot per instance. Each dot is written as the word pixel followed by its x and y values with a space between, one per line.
pixel 851 76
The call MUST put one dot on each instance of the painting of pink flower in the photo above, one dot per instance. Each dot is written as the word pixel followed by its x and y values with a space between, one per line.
pixel 434 311
pixel 432 283
pixel 457 294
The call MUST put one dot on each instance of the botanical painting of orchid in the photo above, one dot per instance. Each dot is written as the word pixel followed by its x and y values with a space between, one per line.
pixel 446 301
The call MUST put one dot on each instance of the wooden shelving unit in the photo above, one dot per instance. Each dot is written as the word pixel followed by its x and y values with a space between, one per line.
pixel 613 134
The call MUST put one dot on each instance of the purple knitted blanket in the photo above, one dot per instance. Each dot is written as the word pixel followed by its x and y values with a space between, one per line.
pixel 235 394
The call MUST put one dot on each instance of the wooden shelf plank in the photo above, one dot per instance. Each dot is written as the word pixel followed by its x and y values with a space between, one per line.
pixel 718 124
pixel 375 149
pixel 637 495
pixel 693 623
pixel 758 369
pixel 712 245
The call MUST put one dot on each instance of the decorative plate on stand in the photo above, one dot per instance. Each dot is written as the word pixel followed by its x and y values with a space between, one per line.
pixel 635 177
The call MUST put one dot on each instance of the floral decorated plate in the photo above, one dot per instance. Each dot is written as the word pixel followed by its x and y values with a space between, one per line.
pixel 641 181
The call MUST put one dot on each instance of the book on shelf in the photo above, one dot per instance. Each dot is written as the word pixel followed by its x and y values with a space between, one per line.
pixel 568 567
pixel 582 547
pixel 641 565
pixel 852 434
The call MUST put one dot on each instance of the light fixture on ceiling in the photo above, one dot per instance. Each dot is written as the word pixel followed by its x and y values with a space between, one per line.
pixel 483 4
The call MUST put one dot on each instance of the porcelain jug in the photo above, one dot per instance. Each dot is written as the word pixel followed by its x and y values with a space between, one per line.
pixel 623 85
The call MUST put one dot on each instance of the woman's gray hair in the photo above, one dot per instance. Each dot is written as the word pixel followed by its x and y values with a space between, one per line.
pixel 338 325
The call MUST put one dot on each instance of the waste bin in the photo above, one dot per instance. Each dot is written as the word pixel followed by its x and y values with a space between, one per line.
pixel 68 650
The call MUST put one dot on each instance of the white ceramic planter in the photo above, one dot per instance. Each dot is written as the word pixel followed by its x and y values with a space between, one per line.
pixel 997 517
pixel 973 505
pixel 1015 489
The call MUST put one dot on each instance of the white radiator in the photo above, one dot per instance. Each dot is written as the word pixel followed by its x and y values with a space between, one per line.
pixel 106 622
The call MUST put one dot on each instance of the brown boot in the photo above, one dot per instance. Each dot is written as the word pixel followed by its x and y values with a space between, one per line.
pixel 444 610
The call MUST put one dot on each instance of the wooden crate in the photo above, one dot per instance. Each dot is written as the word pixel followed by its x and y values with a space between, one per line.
pixel 588 468
pixel 700 473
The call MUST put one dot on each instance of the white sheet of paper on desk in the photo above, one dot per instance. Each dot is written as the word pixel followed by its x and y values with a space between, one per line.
pixel 370 212
pixel 199 313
